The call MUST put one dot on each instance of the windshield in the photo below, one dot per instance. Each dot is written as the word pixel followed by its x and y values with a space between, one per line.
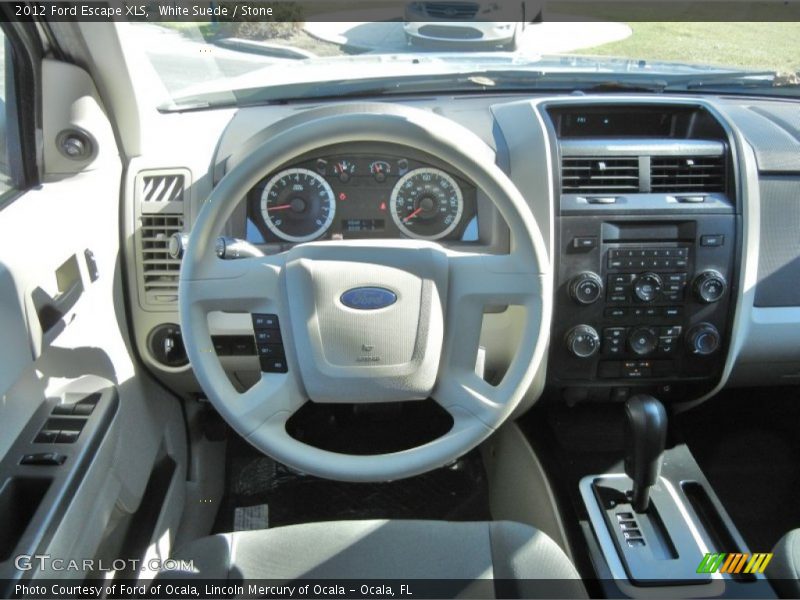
pixel 443 47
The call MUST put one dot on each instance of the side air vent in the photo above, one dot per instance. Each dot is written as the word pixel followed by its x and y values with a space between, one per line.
pixel 160 272
pixel 687 173
pixel 162 188
pixel 584 175
pixel 162 197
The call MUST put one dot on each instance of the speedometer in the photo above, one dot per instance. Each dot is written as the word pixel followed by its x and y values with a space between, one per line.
pixel 426 204
pixel 297 205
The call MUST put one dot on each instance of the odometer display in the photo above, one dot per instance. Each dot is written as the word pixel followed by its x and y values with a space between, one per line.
pixel 297 205
pixel 427 204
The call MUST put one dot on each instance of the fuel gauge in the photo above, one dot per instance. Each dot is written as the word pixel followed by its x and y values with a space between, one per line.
pixel 344 169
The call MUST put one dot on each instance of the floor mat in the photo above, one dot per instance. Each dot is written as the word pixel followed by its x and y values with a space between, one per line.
pixel 458 492
pixel 747 442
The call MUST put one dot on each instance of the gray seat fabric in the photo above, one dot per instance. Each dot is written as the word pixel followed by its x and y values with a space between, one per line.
pixel 508 559
pixel 784 569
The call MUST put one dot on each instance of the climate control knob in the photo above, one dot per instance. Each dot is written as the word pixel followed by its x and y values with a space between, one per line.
pixel 709 286
pixel 703 339
pixel 647 286
pixel 583 341
pixel 586 288
pixel 643 341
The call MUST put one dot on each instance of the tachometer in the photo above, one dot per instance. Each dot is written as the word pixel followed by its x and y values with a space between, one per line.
pixel 426 204
pixel 298 205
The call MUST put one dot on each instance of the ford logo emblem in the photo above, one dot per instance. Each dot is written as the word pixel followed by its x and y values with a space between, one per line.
pixel 368 298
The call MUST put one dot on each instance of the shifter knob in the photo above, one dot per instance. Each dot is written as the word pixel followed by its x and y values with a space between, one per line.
pixel 646 434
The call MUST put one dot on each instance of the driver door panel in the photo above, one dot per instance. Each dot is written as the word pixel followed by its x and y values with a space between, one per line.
pixel 65 338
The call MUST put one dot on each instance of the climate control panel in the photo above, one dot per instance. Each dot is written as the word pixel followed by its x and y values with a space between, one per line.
pixel 641 300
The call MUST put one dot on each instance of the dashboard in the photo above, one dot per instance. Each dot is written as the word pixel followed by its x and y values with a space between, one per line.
pixel 353 194
pixel 669 222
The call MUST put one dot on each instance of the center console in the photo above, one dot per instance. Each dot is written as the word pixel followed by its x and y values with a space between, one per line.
pixel 645 263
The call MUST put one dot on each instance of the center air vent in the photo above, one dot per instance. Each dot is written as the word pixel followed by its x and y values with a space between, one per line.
pixel 687 174
pixel 584 175
pixel 160 272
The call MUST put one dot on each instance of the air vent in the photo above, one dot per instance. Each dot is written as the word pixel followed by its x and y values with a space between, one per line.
pixel 160 272
pixel 162 188
pixel 599 175
pixel 687 174
pixel 451 10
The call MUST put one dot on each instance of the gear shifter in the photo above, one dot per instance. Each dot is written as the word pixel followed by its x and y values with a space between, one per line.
pixel 646 433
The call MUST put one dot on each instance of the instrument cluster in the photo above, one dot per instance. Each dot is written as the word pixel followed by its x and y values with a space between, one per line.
pixel 352 196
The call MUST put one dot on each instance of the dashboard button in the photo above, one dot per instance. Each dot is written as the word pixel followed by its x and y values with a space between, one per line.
pixel 221 345
pixel 614 333
pixel 712 240
pixel 68 436
pixel 273 365
pixel 620 279
pixel 703 339
pixel 584 243
pixel 270 350
pixel 583 341
pixel 43 459
pixel 265 321
pixel 666 344
pixel 268 336
pixel 675 278
pixel 643 341
pixel 46 436
pixel 83 409
pixel 646 287
pixel 710 286
pixel 586 288
pixel 616 313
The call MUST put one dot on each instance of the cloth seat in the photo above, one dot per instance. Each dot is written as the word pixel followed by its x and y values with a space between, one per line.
pixel 498 558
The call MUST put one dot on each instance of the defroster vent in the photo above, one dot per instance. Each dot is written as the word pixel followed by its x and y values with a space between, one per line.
pixel 163 188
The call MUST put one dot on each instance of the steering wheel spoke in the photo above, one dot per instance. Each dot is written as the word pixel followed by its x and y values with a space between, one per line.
pixel 481 282
pixel 272 394
pixel 235 285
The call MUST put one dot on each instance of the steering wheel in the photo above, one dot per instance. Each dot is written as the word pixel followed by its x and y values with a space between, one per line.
pixel 423 345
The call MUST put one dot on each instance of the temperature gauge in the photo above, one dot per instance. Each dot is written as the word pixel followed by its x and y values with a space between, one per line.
pixel 380 169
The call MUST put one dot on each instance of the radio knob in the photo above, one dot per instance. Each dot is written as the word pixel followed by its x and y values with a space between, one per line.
pixel 643 341
pixel 586 288
pixel 710 286
pixel 703 339
pixel 647 286
pixel 583 341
